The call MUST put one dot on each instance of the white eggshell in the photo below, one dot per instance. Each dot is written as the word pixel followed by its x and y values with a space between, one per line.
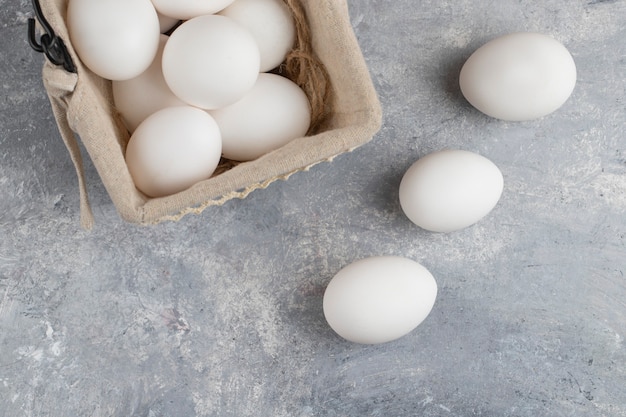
pixel 139 97
pixel 271 24
pixel 187 9
pixel 210 61
pixel 116 39
pixel 173 149
pixel 519 76
pixel 450 190
pixel 274 112
pixel 379 299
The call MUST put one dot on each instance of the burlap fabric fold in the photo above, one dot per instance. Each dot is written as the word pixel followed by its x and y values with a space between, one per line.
pixel 83 108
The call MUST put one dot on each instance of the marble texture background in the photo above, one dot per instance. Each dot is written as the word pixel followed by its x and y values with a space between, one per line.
pixel 220 314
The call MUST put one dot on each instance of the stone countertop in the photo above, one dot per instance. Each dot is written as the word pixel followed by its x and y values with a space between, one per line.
pixel 220 314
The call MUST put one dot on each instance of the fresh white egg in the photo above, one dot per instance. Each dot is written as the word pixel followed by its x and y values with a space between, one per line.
pixel 173 149
pixel 116 39
pixel 519 76
pixel 271 24
pixel 210 61
pixel 379 299
pixel 449 190
pixel 139 97
pixel 187 9
pixel 274 112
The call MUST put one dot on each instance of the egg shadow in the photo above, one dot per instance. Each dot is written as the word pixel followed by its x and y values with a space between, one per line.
pixel 449 79
pixel 382 191
pixel 450 69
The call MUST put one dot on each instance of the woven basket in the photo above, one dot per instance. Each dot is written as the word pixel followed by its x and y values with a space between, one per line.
pixel 82 105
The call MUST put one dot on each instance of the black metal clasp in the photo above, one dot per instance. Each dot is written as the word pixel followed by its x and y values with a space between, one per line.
pixel 49 43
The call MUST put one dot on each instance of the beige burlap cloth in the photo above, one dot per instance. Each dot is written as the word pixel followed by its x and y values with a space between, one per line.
pixel 83 108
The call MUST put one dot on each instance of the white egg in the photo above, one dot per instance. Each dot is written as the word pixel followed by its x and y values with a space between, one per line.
pixel 274 112
pixel 449 190
pixel 139 97
pixel 210 61
pixel 187 9
pixel 520 76
pixel 116 39
pixel 379 299
pixel 173 149
pixel 271 24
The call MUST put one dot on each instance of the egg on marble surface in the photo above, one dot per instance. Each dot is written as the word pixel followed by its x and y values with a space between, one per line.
pixel 210 61
pixel 271 24
pixel 520 76
pixel 116 39
pixel 449 190
pixel 379 299
pixel 139 97
pixel 188 9
pixel 173 149
pixel 274 112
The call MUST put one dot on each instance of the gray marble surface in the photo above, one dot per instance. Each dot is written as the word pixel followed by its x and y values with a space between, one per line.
pixel 220 314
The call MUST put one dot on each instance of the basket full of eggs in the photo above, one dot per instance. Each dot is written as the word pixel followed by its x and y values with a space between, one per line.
pixel 183 105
